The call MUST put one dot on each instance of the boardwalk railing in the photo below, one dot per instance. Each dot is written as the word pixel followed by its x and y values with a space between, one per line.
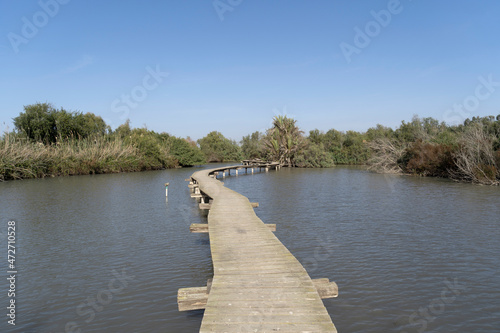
pixel 258 285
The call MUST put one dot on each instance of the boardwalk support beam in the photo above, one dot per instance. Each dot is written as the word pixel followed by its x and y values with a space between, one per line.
pixel 196 298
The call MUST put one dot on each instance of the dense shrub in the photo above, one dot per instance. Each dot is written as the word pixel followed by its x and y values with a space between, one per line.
pixel 427 159
pixel 185 153
pixel 218 148
pixel 343 148
pixel 314 156
pixel 485 173
pixel 41 122
pixel 252 146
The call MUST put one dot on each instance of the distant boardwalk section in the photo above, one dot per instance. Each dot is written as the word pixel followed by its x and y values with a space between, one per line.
pixel 258 285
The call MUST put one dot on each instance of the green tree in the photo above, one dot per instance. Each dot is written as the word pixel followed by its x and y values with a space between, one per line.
pixel 43 123
pixel 355 148
pixel 123 130
pixel 37 122
pixel 317 137
pixel 379 132
pixel 344 148
pixel 218 148
pixel 334 140
pixel 252 146
pixel 410 131
pixel 425 129
pixel 185 153
pixel 314 156
pixel 92 124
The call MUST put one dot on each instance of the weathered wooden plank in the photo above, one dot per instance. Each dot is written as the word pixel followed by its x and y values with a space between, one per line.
pixel 192 298
pixel 260 326
pixel 325 288
pixel 198 228
pixel 255 317
pixel 244 308
pixel 203 227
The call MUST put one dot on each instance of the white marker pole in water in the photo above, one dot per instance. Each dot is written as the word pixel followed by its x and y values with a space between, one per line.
pixel 166 189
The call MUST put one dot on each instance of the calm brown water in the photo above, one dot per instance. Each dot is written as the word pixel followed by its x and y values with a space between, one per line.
pixel 107 253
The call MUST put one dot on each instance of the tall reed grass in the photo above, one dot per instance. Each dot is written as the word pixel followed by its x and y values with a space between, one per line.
pixel 20 159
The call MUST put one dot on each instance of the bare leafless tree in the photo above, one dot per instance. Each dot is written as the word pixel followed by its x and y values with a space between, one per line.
pixel 385 155
pixel 475 157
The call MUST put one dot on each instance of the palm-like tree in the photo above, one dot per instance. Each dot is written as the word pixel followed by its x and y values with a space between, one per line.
pixel 284 140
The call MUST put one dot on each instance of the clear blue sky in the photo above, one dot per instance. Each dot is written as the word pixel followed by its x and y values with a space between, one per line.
pixel 234 64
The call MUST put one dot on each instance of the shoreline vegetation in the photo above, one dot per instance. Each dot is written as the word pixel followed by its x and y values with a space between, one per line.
pixel 49 142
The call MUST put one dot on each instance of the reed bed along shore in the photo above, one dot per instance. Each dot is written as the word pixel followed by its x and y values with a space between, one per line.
pixel 21 159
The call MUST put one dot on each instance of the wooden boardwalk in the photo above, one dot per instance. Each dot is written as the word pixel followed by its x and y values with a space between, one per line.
pixel 258 285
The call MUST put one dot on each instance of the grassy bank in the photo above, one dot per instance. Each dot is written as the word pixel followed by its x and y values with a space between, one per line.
pixel 20 159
